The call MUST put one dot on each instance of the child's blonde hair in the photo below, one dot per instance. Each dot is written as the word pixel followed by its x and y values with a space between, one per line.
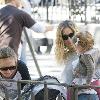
pixel 86 40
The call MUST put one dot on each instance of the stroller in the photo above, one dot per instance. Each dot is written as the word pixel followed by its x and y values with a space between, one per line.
pixel 38 89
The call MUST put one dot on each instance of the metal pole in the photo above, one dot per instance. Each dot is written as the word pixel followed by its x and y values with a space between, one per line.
pixel 19 90
pixel 47 10
pixel 85 12
pixel 45 91
pixel 32 52
pixel 69 5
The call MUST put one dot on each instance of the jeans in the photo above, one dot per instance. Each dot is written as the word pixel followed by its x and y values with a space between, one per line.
pixel 88 97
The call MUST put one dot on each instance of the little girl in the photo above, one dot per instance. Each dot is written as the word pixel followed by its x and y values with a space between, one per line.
pixel 85 69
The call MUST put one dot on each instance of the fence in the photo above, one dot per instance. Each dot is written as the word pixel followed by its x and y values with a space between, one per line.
pixel 32 96
pixel 58 10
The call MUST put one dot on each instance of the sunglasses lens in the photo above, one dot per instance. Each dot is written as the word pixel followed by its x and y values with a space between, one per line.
pixel 71 35
pixel 6 68
pixel 65 37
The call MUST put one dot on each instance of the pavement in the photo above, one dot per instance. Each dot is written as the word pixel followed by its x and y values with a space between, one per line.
pixel 46 63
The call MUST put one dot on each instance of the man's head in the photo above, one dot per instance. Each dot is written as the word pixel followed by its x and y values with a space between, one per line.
pixel 17 3
pixel 2 2
pixel 8 62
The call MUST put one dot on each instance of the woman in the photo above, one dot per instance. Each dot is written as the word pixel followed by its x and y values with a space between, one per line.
pixel 85 70
pixel 65 50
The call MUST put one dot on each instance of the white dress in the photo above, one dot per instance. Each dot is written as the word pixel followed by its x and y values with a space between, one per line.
pixel 67 74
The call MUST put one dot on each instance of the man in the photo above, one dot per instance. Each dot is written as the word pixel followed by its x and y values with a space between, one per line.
pixel 11 68
pixel 12 22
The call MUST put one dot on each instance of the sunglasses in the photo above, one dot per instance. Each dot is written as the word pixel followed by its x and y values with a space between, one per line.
pixel 65 37
pixel 10 68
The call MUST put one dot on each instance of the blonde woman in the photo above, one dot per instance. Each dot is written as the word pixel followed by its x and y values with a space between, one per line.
pixel 65 50
pixel 85 70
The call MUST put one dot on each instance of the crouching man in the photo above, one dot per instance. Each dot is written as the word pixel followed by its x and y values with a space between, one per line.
pixel 11 68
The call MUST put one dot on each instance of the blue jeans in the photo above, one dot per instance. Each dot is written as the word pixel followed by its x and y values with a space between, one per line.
pixel 88 97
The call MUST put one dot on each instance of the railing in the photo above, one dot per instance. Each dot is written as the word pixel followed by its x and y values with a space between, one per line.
pixel 58 10
pixel 32 96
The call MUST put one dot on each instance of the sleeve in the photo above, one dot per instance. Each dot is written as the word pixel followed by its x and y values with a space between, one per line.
pixel 89 64
pixel 97 69
pixel 23 70
pixel 38 27
pixel 98 58
pixel 26 20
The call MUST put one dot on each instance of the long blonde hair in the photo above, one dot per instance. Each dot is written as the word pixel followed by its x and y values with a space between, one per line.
pixel 61 52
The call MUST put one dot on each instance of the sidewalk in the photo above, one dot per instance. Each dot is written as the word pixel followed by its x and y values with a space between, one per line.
pixel 46 63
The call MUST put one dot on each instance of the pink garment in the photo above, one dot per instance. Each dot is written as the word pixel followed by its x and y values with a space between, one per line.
pixel 97 83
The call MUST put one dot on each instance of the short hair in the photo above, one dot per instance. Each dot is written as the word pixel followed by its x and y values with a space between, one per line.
pixel 7 52
pixel 2 1
pixel 8 1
